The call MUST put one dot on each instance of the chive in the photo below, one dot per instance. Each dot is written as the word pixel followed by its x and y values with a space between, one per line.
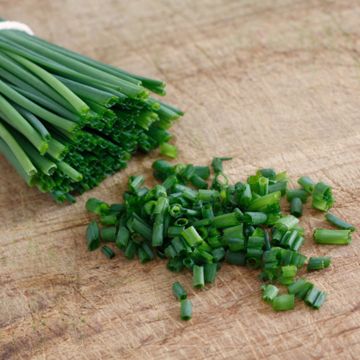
pixel 188 263
pixel 267 241
pixel 181 222
pixel 286 223
pixel 263 183
pixel 296 207
pixel 191 236
pixel 268 173
pixel 202 171
pixel 123 235
pixel 236 244
pixel 145 253
pixel 174 231
pixel 269 292
pixel 208 195
pixel 108 234
pixel 226 220
pixel 178 291
pixel 135 183
pixel 130 250
pixel 169 182
pixel 210 271
pixel 108 220
pixel 97 206
pixel 107 252
pixel 322 198
pixel 278 186
pixel 341 224
pixel 168 150
pixel 283 302
pixel 255 218
pixel 266 203
pixel 297 193
pixel 235 258
pixel 198 277
pixel 306 183
pixel 332 237
pixel 185 310
pixel 315 298
pixel 93 236
pixel 218 254
pixel 318 263
pixel 217 164
pixel 175 264
pixel 300 288
pixel 158 228
pixel 142 228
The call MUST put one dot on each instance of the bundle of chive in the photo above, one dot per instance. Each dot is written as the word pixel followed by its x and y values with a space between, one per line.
pixel 196 226
pixel 67 121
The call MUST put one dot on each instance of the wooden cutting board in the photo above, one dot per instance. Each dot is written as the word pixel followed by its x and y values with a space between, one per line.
pixel 271 83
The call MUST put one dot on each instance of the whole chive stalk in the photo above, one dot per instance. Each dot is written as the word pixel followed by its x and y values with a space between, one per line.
pixel 318 263
pixel 341 224
pixel 283 302
pixel 185 310
pixel 332 237
pixel 178 291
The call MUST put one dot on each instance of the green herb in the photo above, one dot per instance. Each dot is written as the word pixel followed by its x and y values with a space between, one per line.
pixel 318 263
pixel 332 237
pixel 107 252
pixel 341 224
pixel 269 292
pixel 322 198
pixel 283 302
pixel 93 236
pixel 178 291
pixel 185 310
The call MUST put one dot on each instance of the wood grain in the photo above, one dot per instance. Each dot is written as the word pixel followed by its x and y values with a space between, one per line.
pixel 271 83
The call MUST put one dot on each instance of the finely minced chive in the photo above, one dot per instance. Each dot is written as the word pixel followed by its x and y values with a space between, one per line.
pixel 198 277
pixel 269 292
pixel 296 207
pixel 332 237
pixel 93 236
pixel 178 291
pixel 318 263
pixel 107 252
pixel 341 224
pixel 306 183
pixel 283 302
pixel 168 150
pixel 185 309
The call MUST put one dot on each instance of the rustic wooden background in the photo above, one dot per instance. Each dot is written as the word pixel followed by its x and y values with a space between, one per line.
pixel 271 83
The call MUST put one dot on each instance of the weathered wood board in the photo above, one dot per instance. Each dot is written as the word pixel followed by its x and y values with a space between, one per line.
pixel 271 83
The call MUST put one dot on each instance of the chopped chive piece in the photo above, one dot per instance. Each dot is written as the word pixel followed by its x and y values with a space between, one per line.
pixel 255 218
pixel 93 236
pixel 130 250
pixel 185 310
pixel 218 254
pixel 188 263
pixel 266 203
pixel 300 288
pixel 315 298
pixel 278 186
pixel 307 184
pixel 283 302
pixel 322 198
pixel 97 206
pixel 286 223
pixel 168 150
pixel 178 291
pixel 108 234
pixel 341 224
pixel 108 220
pixel 296 207
pixel 198 277
pixel 318 263
pixel 210 271
pixel 191 236
pixel 107 252
pixel 267 173
pixel 226 220
pixel 269 292
pixel 297 193
pixel 122 237
pixel 235 258
pixel 175 264
pixel 332 237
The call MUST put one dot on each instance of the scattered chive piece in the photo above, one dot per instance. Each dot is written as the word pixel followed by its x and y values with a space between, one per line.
pixel 315 298
pixel 341 224
pixel 178 291
pixel 296 207
pixel 93 236
pixel 107 252
pixel 269 292
pixel 307 184
pixel 283 302
pixel 210 271
pixel 322 198
pixel 297 193
pixel 168 150
pixel 318 263
pixel 300 288
pixel 332 237
pixel 198 277
pixel 185 310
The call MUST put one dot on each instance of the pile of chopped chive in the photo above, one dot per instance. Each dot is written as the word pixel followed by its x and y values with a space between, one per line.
pixel 68 121
pixel 198 225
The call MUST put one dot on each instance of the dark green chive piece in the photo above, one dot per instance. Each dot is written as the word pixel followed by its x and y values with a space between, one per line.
pixel 297 193
pixel 130 250
pixel 185 309
pixel 300 288
pixel 107 252
pixel 235 258
pixel 198 277
pixel 318 263
pixel 179 291
pixel 108 234
pixel 93 236
pixel 296 207
pixel 341 224
pixel 332 237
pixel 283 302
pixel 210 271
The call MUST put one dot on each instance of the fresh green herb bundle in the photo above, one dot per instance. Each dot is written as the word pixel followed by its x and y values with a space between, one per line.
pixel 197 225
pixel 67 121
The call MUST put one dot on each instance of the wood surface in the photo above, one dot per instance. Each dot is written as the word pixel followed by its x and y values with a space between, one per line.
pixel 270 82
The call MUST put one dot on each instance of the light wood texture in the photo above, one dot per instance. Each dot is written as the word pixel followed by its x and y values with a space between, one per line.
pixel 271 83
